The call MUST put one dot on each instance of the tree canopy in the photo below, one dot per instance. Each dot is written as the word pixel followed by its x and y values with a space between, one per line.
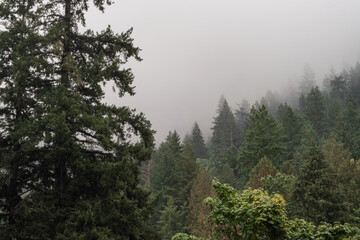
pixel 68 169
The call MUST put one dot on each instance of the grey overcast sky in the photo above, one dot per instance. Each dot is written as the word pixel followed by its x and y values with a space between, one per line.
pixel 196 50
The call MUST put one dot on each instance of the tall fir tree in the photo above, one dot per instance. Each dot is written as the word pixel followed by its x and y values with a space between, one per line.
pixel 173 172
pixel 65 154
pixel 338 87
pixel 241 115
pixel 347 129
pixel 302 151
pixel 201 189
pixel 165 163
pixel 263 137
pixel 225 132
pixel 346 175
pixel 197 142
pixel 354 83
pixel 315 193
pixel 291 125
pixel 315 111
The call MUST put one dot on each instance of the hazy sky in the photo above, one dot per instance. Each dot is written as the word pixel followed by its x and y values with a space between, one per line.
pixel 194 51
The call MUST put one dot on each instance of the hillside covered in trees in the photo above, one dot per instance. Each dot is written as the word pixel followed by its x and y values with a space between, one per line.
pixel 307 152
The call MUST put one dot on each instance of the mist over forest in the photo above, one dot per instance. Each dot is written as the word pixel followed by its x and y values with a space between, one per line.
pixel 194 52
pixel 187 120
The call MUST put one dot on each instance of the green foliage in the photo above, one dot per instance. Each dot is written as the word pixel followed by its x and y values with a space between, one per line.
pixel 280 183
pixel 308 139
pixel 225 132
pixel 197 142
pixel 315 193
pixel 201 189
pixel 291 126
pixel 165 163
pixel 347 129
pixel 68 167
pixel 241 115
pixel 254 214
pixel 225 174
pixel 184 236
pixel 299 229
pixel 315 111
pixel 263 137
pixel 170 220
pixel 251 214
pixel 262 170
pixel 354 83
pixel 173 172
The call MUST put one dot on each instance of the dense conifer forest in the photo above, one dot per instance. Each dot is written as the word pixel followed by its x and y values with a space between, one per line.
pixel 297 166
pixel 74 167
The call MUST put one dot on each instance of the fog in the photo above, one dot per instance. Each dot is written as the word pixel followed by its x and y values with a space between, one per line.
pixel 195 51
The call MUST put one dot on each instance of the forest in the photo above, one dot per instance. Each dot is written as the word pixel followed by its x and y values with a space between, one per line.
pixel 281 171
pixel 75 167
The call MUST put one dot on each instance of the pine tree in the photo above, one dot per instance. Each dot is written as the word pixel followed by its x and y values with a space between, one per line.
pixel 315 111
pixel 225 131
pixel 200 190
pixel 165 163
pixel 186 172
pixel 346 175
pixel 338 87
pixel 315 194
pixel 292 125
pixel 302 151
pixel 302 104
pixel 69 170
pixel 347 129
pixel 241 115
pixel 197 142
pixel 173 172
pixel 263 137
pixel 354 83
pixel 170 220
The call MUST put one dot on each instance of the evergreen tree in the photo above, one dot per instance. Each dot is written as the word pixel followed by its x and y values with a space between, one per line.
pixel 315 193
pixel 346 175
pixel 263 137
pixel 69 170
pixel 292 125
pixel 308 138
pixel 338 87
pixel 201 189
pixel 170 220
pixel 174 170
pixel 197 142
pixel 327 80
pixel 315 111
pixel 242 113
pixel 354 83
pixel 165 164
pixel 225 131
pixel 347 128
pixel 186 172
pixel 334 107
pixel 302 103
